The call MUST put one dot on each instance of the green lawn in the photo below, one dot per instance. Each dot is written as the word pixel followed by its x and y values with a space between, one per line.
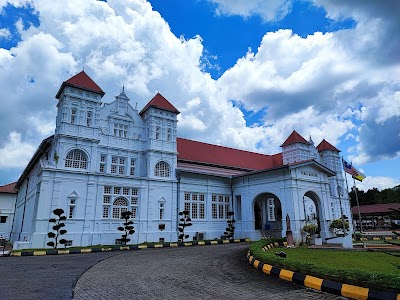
pixel 377 270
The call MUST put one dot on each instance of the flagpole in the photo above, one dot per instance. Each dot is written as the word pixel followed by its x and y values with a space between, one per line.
pixel 358 205
pixel 340 202
pixel 347 187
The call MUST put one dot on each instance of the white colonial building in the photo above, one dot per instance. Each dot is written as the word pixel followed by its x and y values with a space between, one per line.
pixel 106 158
pixel 8 196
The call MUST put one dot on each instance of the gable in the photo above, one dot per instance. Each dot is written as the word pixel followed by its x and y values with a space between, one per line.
pixel 311 169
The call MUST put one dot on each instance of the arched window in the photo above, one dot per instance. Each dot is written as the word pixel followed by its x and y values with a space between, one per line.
pixel 76 159
pixel 162 169
pixel 119 206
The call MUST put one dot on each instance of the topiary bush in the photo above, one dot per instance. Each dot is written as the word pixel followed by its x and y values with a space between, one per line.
pixel 230 230
pixel 128 228
pixel 185 221
pixel 58 224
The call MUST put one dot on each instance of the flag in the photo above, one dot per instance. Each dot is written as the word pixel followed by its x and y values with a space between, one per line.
pixel 348 168
pixel 360 176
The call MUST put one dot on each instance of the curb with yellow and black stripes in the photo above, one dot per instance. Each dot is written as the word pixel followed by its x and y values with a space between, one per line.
pixel 325 285
pixel 123 248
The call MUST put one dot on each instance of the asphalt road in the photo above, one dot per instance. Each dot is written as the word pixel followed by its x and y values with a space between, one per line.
pixel 44 277
pixel 200 272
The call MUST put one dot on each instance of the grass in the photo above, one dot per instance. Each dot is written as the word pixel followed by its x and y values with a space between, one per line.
pixel 376 270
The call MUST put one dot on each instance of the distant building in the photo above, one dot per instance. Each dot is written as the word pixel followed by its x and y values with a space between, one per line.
pixel 107 158
pixel 8 196
pixel 376 216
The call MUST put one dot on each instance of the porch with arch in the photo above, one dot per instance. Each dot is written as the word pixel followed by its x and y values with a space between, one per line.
pixel 314 212
pixel 268 215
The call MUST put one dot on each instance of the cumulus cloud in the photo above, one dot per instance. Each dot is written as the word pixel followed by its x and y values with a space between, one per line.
pixel 379 182
pixel 323 84
pixel 4 33
pixel 15 152
pixel 272 10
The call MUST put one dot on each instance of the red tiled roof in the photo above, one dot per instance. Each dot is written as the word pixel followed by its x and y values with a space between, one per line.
pixel 375 208
pixel 83 81
pixel 294 138
pixel 218 155
pixel 8 188
pixel 324 145
pixel 159 101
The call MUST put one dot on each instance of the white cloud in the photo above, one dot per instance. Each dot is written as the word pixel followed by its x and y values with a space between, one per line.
pixel 320 84
pixel 4 33
pixel 15 153
pixel 379 182
pixel 271 10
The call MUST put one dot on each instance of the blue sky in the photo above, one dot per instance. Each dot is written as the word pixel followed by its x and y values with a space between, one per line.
pixel 243 73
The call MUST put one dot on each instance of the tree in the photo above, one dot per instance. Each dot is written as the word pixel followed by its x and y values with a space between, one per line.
pixel 128 228
pixel 374 196
pixel 58 224
pixel 185 221
pixel 230 230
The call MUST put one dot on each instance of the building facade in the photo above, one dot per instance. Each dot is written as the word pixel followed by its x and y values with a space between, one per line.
pixel 8 196
pixel 107 158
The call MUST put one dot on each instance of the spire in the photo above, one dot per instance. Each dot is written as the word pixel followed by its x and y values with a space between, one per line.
pixel 122 96
pixel 311 141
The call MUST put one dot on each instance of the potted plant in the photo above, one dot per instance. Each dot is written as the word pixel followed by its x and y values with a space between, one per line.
pixel 312 233
pixel 337 227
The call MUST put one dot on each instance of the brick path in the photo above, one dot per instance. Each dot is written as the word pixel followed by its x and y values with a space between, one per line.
pixel 201 272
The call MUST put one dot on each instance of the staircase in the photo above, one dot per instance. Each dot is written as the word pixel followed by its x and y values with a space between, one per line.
pixel 265 235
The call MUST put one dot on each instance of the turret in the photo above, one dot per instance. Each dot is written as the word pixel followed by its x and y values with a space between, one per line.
pixel 79 100
pixel 296 149
pixel 160 118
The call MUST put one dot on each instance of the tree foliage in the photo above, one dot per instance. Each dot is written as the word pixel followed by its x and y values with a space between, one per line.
pixel 128 229
pixel 58 224
pixel 230 230
pixel 374 196
pixel 184 221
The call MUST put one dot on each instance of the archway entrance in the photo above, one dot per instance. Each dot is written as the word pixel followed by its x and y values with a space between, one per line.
pixel 268 215
pixel 312 210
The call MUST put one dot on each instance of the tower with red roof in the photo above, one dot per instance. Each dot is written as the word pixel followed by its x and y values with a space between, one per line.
pixel 160 119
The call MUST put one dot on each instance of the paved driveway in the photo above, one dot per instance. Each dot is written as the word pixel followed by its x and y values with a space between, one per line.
pixel 44 277
pixel 201 272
